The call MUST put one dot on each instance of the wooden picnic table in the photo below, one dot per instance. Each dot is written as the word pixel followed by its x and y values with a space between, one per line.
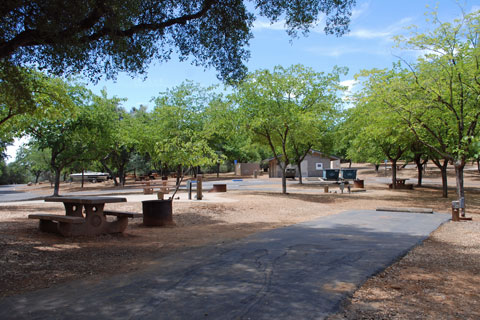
pixel 84 216
pixel 400 184
pixel 401 181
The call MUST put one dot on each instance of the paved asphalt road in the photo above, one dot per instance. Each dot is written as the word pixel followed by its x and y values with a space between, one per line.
pixel 299 272
pixel 10 193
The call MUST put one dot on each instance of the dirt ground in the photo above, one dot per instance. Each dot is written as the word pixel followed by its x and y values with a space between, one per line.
pixel 438 279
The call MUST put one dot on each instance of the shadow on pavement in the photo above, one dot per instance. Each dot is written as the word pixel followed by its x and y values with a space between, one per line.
pixel 302 271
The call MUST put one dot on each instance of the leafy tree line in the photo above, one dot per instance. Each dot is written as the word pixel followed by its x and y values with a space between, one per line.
pixel 183 130
pixel 189 126
pixel 98 39
pixel 423 110
pixel 420 111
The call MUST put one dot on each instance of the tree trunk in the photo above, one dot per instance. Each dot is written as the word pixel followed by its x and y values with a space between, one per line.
pixel 478 165
pixel 459 166
pixel 37 176
pixel 56 187
pixel 165 171
pixel 218 169
pixel 179 173
pixel 349 164
pixel 121 174
pixel 443 170
pixel 377 167
pixel 284 179
pixel 300 181
pixel 83 177
pixel 110 172
pixel 418 162
pixel 394 173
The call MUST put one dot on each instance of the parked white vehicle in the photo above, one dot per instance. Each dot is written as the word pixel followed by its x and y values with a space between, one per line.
pixel 89 176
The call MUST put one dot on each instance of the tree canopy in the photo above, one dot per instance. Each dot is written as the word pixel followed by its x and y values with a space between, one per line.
pixel 289 109
pixel 437 95
pixel 104 37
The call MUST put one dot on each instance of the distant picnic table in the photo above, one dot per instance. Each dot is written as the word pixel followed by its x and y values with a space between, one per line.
pixel 401 181
pixel 400 184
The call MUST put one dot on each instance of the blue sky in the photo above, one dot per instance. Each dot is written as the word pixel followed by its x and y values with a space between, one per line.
pixel 368 45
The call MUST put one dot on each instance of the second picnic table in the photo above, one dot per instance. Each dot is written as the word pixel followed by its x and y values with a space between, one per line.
pixel 400 184
pixel 75 223
pixel 401 181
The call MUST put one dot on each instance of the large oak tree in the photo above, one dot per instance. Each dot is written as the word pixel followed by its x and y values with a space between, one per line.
pixel 100 38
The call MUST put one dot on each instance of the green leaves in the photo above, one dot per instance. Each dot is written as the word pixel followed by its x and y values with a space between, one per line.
pixel 177 131
pixel 101 38
pixel 290 109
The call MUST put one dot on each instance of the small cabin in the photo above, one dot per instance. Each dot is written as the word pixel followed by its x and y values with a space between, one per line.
pixel 313 165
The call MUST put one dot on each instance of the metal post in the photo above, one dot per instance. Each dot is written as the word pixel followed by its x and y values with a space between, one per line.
pixel 462 206
pixel 189 189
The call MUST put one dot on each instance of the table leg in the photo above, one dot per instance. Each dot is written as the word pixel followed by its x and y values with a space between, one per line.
pixel 73 209
pixel 95 219
pixel 70 229
pixel 97 222
pixel 117 226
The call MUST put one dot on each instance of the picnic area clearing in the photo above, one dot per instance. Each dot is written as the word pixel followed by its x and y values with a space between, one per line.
pixel 444 266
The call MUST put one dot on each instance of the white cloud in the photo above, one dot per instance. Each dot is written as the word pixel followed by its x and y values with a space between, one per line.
pixel 336 52
pixel 474 9
pixel 347 94
pixel 360 10
pixel 370 34
pixel 384 33
pixel 348 83
pixel 331 51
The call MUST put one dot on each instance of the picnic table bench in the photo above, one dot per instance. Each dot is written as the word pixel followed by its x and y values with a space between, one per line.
pixel 123 214
pixel 84 216
pixel 163 188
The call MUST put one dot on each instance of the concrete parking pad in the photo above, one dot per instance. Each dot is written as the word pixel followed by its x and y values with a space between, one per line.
pixel 299 272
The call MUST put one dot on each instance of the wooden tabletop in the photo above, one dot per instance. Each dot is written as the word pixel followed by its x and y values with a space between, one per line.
pixel 85 199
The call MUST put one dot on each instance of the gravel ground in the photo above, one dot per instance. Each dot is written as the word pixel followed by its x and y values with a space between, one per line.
pixel 438 280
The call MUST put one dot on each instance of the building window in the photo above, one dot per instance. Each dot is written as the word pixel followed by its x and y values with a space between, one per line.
pixel 319 166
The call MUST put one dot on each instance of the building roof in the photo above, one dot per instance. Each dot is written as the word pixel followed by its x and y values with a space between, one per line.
pixel 331 157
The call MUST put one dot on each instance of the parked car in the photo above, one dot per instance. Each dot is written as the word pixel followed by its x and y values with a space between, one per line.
pixel 290 173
